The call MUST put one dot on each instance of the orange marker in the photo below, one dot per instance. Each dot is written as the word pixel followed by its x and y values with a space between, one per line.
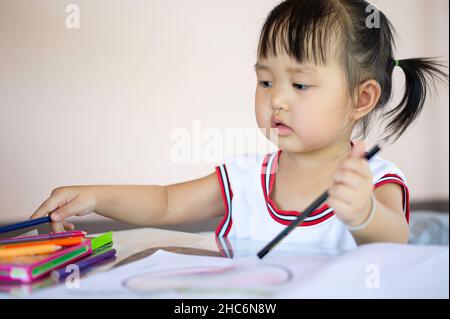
pixel 64 242
pixel 27 251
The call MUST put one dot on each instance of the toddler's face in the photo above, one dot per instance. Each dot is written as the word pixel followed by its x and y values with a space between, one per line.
pixel 313 103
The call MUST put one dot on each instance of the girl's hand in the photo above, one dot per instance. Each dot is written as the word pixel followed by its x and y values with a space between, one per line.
pixel 350 194
pixel 64 202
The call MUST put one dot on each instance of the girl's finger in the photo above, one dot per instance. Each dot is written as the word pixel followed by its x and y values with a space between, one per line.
pixel 339 206
pixel 57 227
pixel 68 226
pixel 343 193
pixel 49 205
pixel 357 165
pixel 72 208
pixel 358 149
pixel 348 178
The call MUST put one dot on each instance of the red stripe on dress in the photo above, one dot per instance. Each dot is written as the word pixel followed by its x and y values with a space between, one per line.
pixel 224 198
pixel 231 198
pixel 304 223
pixel 273 170
pixel 224 249
pixel 394 178
pixel 263 173
pixel 287 213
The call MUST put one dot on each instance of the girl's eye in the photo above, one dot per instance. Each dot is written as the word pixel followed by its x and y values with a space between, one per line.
pixel 268 84
pixel 301 87
pixel 264 84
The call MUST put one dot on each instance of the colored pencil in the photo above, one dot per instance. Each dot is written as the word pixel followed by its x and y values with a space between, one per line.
pixel 28 223
pixel 43 264
pixel 85 263
pixel 64 242
pixel 20 239
pixel 26 251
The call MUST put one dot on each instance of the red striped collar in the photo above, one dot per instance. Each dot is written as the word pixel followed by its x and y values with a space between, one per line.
pixel 268 176
pixel 268 181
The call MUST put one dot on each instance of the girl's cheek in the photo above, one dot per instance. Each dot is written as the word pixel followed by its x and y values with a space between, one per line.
pixel 262 114
pixel 309 126
pixel 262 118
pixel 299 121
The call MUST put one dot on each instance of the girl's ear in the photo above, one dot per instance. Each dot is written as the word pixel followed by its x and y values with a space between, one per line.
pixel 369 94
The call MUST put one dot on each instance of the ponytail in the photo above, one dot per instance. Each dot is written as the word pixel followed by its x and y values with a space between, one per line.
pixel 419 74
pixel 299 28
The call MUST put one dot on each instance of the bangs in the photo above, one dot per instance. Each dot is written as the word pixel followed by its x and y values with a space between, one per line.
pixel 307 31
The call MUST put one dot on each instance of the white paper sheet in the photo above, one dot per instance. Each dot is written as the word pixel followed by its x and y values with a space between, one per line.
pixel 370 271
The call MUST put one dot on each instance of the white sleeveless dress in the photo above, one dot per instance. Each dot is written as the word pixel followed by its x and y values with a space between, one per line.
pixel 246 183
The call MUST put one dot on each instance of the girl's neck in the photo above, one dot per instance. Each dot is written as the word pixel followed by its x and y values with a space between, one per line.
pixel 317 162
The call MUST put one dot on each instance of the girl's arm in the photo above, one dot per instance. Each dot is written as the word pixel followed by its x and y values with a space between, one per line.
pixel 350 196
pixel 389 223
pixel 139 205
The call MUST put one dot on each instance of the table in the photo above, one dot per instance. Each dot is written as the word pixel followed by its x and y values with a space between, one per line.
pixel 138 243
pixel 407 271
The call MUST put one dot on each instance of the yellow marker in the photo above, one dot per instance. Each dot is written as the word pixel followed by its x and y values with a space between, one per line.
pixel 26 251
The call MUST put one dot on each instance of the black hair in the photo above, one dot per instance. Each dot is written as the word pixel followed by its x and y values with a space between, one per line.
pixel 362 42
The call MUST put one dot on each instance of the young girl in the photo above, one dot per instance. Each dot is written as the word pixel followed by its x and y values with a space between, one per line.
pixel 321 70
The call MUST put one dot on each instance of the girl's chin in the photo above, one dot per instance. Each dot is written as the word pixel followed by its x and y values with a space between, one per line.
pixel 288 143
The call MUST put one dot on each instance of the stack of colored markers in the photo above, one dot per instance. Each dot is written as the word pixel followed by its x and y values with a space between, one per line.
pixel 28 258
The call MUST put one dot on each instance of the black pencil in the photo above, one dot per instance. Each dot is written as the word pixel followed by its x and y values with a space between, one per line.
pixel 322 198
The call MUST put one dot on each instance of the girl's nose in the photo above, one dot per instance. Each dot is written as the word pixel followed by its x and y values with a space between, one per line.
pixel 279 100
pixel 279 106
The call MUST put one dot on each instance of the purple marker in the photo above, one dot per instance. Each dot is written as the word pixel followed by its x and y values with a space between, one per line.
pixel 61 273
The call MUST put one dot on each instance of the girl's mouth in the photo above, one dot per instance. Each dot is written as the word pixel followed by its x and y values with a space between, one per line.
pixel 282 128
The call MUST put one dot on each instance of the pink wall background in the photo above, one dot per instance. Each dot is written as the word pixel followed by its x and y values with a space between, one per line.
pixel 97 105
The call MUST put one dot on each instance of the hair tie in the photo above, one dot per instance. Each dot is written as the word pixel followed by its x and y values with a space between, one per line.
pixel 397 62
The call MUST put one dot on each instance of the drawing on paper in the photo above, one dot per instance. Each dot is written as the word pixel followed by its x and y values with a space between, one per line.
pixel 252 279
